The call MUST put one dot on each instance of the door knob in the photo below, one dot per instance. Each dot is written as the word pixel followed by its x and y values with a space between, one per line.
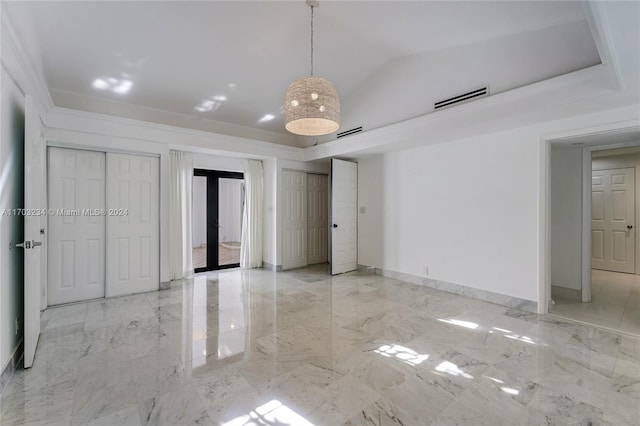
pixel 35 243
pixel 335 225
pixel 629 226
pixel 25 245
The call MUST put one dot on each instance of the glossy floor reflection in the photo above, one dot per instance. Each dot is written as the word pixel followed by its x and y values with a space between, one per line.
pixel 615 302
pixel 302 348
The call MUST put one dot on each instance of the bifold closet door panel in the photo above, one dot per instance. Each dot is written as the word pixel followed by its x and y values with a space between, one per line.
pixel 294 220
pixel 133 253
pixel 76 252
pixel 317 218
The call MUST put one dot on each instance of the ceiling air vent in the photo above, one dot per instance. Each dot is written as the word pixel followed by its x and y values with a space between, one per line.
pixel 465 97
pixel 349 132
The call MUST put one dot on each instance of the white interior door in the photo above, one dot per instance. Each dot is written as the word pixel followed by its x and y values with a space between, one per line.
pixel 317 218
pixel 344 216
pixel 33 222
pixel 612 220
pixel 133 224
pixel 76 249
pixel 294 220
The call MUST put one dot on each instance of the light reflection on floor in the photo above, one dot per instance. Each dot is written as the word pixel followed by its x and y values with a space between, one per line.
pixel 271 413
pixel 302 347
pixel 406 355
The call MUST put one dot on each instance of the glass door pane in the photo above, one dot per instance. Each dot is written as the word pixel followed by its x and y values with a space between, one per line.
pixel 230 208
pixel 199 222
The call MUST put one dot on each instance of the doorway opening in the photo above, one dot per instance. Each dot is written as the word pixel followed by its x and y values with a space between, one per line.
pixel 218 205
pixel 595 256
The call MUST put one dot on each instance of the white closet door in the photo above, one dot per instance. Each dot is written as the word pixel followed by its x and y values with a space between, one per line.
pixel 344 216
pixel 34 166
pixel 613 212
pixel 77 237
pixel 317 218
pixel 133 253
pixel 294 221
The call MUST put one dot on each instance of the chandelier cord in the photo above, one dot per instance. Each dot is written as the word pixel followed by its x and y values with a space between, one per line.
pixel 312 40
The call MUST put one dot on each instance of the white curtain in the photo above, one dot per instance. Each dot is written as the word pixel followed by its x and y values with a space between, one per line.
pixel 180 214
pixel 251 247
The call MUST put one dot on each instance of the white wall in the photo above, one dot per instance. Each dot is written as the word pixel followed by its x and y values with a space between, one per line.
pixel 566 217
pixel 472 210
pixel 214 162
pixel 371 197
pixel 467 210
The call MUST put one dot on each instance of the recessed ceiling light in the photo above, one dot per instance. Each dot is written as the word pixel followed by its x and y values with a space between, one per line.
pixel 267 117
pixel 207 106
pixel 115 85
pixel 219 98
pixel 123 87
pixel 100 84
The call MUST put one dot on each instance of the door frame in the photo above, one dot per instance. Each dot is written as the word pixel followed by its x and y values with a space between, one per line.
pixel 590 135
pixel 213 233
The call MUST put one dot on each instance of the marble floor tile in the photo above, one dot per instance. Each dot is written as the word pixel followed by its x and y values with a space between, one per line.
pixel 458 414
pixel 555 407
pixel 615 302
pixel 384 413
pixel 66 315
pixel 126 417
pixel 180 406
pixel 630 321
pixel 347 397
pixel 305 348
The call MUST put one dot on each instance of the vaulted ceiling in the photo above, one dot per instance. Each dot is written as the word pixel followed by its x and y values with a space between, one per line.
pixel 225 65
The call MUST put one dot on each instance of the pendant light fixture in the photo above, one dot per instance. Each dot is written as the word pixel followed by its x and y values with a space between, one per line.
pixel 311 105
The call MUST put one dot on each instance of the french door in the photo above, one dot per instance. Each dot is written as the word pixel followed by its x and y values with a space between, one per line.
pixel 218 203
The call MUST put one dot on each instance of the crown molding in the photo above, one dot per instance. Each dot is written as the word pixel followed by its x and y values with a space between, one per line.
pixel 65 119
pixel 18 65
pixel 97 105
pixel 596 18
